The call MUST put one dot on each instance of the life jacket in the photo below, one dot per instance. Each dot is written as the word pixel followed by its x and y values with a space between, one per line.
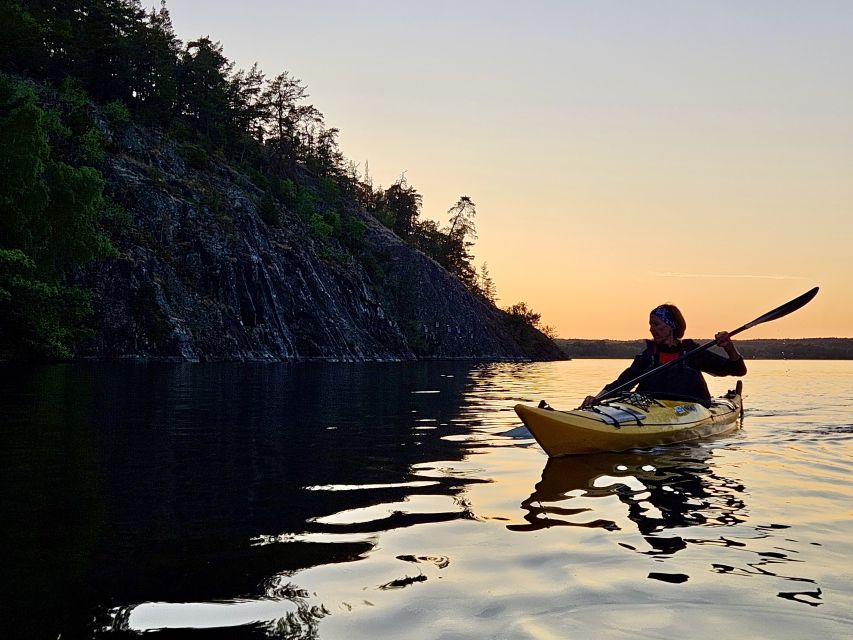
pixel 682 379
pixel 662 357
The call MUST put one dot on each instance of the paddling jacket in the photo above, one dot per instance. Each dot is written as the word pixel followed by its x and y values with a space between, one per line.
pixel 682 379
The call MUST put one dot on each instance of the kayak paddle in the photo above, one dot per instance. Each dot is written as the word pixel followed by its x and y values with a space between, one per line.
pixel 778 312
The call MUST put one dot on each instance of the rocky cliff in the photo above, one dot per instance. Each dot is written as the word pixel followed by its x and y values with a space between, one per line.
pixel 201 276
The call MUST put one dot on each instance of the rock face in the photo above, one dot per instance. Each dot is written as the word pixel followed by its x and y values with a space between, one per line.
pixel 200 276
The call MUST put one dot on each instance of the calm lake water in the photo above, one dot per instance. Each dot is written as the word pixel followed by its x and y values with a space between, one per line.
pixel 406 501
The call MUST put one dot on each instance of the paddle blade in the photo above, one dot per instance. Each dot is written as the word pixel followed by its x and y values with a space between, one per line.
pixel 784 310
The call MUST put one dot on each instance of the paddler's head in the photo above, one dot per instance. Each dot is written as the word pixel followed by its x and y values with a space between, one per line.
pixel 666 324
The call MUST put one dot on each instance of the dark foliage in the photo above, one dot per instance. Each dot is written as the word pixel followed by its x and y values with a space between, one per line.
pixel 68 65
pixel 50 223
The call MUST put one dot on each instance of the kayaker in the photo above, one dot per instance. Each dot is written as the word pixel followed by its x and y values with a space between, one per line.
pixel 667 326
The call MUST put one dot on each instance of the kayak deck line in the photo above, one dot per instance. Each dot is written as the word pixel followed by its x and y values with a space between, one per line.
pixel 661 421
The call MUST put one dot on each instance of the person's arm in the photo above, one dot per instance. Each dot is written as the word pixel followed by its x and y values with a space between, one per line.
pixel 716 365
pixel 725 341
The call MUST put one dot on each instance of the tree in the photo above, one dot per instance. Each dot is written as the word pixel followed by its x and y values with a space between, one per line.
pixel 486 285
pixel 522 314
pixel 154 85
pixel 203 73
pixel 56 24
pixel 327 153
pixel 431 240
pixel 49 224
pixel 248 111
pixel 460 238
pixel 21 39
pixel 38 318
pixel 23 192
pixel 403 204
pixel 280 99
pixel 100 42
pixel 87 39
pixel 525 324
pixel 245 97
pixel 309 126
pixel 50 209
pixel 73 214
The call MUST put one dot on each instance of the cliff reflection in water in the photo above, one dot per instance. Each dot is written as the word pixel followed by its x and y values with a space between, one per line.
pixel 189 494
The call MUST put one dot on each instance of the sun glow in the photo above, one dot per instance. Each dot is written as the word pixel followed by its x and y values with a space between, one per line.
pixel 619 156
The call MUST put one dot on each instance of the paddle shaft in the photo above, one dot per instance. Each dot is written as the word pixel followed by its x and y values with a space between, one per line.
pixel 778 312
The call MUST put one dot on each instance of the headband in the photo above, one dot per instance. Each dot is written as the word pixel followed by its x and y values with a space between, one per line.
pixel 664 314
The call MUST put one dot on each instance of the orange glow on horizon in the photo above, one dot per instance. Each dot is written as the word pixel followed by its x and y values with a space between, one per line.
pixel 619 155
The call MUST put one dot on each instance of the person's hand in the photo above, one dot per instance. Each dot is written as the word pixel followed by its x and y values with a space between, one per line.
pixel 588 402
pixel 724 340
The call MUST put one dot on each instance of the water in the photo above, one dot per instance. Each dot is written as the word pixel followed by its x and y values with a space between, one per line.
pixel 405 500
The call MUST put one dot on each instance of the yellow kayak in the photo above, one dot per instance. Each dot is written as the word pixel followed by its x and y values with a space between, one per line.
pixel 631 422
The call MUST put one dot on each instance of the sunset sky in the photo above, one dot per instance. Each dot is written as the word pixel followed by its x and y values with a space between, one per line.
pixel 620 154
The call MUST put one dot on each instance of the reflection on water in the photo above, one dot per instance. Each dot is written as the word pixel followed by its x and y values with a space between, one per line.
pixel 382 500
pixel 664 492
pixel 196 491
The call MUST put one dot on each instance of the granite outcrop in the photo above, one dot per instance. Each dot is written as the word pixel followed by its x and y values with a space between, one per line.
pixel 201 275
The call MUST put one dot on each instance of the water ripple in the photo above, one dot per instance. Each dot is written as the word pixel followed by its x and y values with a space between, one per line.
pixel 407 500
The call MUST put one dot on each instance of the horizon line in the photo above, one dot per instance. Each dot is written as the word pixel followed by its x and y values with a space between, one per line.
pixel 673 274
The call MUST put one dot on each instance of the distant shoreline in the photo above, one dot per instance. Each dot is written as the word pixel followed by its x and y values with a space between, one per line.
pixel 760 349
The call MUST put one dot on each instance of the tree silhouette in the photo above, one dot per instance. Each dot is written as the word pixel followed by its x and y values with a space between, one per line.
pixel 486 285
pixel 403 203
pixel 204 90
pixel 460 237
pixel 281 102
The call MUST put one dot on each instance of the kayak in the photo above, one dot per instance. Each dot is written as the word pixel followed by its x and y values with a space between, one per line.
pixel 631 421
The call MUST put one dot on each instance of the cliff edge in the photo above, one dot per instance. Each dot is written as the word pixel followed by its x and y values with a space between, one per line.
pixel 201 275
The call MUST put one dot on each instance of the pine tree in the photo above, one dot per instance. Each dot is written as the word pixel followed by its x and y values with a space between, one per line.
pixel 203 73
pixel 486 285
pixel 403 203
pixel 460 236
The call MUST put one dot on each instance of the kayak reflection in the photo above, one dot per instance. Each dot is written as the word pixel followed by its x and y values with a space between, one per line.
pixel 662 490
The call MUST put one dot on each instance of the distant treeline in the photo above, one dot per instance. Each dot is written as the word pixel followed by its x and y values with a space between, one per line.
pixel 767 349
